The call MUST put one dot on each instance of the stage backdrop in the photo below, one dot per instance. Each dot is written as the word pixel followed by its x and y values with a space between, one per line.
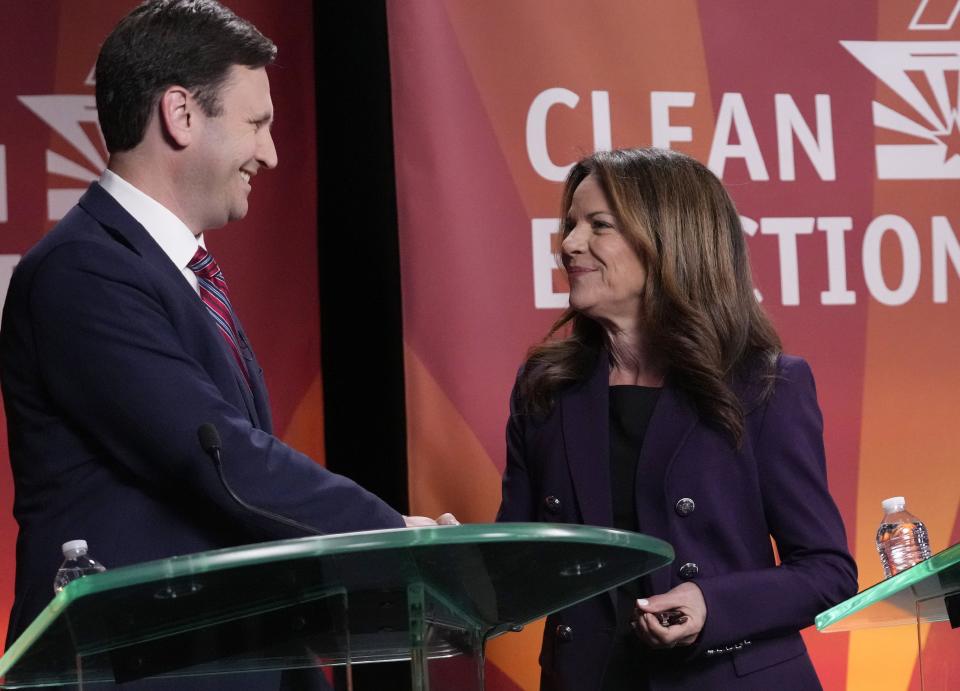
pixel 51 148
pixel 835 127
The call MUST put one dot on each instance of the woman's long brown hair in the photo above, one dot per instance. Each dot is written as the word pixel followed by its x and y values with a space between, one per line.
pixel 699 311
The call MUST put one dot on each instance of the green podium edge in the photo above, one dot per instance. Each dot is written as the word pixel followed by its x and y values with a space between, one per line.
pixel 341 543
pixel 884 589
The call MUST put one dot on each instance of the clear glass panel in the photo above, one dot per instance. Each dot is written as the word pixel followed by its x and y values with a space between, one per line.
pixel 281 605
pixel 939 666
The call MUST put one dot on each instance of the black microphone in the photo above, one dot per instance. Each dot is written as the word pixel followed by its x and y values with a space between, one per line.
pixel 210 442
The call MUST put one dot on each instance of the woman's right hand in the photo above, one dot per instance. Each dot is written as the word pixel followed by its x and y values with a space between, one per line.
pixel 687 599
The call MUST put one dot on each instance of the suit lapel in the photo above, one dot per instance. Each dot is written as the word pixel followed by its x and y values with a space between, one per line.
pixel 671 423
pixel 586 440
pixel 259 388
pixel 98 203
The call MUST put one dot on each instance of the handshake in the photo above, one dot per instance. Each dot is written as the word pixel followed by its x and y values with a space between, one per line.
pixel 421 521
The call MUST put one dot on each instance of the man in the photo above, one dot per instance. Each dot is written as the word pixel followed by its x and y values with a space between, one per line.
pixel 118 338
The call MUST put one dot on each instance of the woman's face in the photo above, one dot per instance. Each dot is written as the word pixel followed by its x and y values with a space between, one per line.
pixel 606 275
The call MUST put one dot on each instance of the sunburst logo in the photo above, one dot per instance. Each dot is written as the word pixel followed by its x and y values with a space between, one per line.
pixel 73 117
pixel 923 124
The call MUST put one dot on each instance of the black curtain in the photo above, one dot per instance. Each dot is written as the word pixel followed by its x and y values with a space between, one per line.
pixel 360 318
pixel 360 313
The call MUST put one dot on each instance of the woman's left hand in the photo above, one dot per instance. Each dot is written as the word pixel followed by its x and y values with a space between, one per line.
pixel 687 599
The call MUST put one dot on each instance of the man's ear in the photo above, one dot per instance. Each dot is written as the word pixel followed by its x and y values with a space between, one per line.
pixel 178 118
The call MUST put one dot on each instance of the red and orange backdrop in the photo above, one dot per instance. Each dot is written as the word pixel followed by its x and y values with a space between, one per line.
pixel 834 126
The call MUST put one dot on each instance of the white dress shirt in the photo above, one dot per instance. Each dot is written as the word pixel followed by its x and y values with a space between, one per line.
pixel 168 231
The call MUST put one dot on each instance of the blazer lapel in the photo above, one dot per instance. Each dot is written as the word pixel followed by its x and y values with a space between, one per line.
pixel 586 440
pixel 243 387
pixel 99 204
pixel 260 398
pixel 671 423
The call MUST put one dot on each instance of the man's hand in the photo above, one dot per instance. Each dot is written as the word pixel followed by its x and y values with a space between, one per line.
pixel 421 521
pixel 687 600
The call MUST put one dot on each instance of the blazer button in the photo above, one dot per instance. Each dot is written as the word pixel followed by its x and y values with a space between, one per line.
pixel 689 571
pixel 684 507
pixel 564 633
pixel 552 503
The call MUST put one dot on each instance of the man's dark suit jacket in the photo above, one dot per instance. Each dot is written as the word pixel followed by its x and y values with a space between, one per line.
pixel 109 364
pixel 775 485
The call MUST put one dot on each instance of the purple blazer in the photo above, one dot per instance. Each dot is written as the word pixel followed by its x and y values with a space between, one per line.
pixel 718 507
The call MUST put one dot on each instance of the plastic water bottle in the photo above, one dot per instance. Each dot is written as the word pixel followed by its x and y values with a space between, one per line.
pixel 77 563
pixel 902 539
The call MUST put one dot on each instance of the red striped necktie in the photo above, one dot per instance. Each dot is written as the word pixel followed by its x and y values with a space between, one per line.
pixel 213 292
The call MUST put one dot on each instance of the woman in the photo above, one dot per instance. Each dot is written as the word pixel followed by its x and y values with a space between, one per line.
pixel 661 403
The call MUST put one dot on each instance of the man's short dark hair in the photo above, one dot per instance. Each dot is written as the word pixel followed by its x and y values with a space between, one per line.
pixel 190 43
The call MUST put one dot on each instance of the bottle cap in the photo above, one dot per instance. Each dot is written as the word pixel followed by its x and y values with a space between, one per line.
pixel 893 504
pixel 74 546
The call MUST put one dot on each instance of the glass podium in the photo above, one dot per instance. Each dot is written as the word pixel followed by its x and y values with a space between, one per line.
pixel 925 596
pixel 418 594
